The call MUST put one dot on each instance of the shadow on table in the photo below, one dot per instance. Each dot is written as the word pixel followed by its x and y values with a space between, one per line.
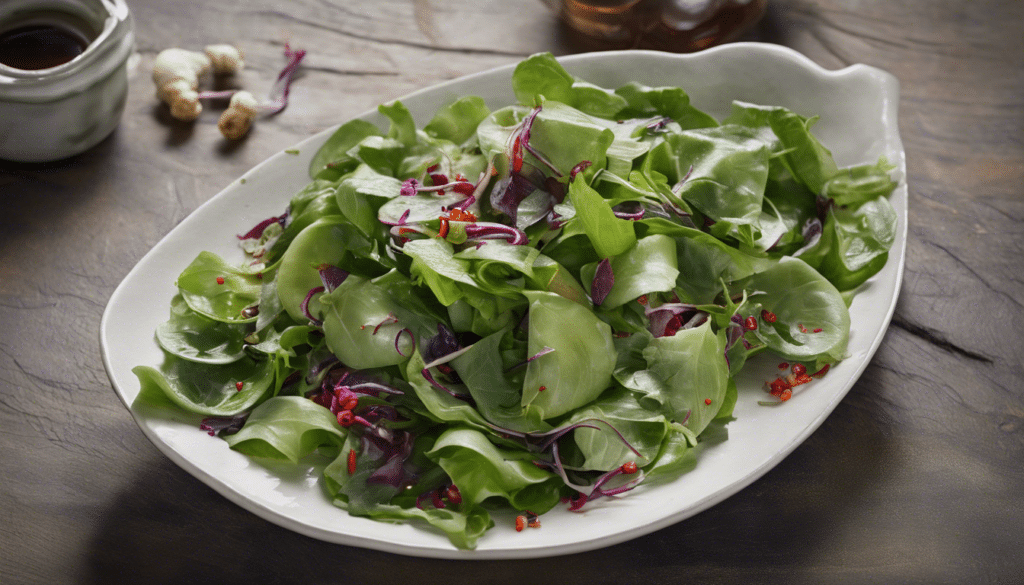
pixel 171 528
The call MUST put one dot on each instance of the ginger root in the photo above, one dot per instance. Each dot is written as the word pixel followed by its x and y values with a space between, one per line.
pixel 235 122
pixel 176 73
pixel 226 59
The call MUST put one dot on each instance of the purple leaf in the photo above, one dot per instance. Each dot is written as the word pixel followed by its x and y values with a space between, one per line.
pixel 603 282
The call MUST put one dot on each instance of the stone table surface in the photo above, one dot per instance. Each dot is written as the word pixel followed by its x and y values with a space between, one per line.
pixel 916 477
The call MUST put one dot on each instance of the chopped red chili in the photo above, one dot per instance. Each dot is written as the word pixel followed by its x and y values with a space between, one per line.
pixel 768 316
pixel 520 519
pixel 351 461
pixel 239 385
pixel 220 280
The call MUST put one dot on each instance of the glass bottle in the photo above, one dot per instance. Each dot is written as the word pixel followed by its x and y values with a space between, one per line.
pixel 666 25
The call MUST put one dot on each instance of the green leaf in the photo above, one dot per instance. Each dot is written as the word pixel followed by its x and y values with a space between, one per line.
pixel 672 102
pixel 482 471
pixel 649 266
pixel 289 428
pixel 609 235
pixel 215 289
pixel 196 338
pixel 577 337
pixel 854 243
pixel 458 120
pixel 330 240
pixel 855 186
pixel 803 301
pixel 691 368
pixel 403 128
pixel 333 159
pixel 211 390
pixel 602 448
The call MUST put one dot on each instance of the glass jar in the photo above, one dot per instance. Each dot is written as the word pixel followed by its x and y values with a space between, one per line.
pixel 667 25
pixel 74 99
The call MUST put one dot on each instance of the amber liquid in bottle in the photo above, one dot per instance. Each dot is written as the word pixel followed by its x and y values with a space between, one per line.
pixel 667 25
pixel 42 41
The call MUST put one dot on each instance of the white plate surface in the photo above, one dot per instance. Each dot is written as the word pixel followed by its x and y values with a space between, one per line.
pixel 858 108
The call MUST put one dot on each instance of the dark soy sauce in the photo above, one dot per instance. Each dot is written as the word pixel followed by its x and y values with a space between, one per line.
pixel 40 45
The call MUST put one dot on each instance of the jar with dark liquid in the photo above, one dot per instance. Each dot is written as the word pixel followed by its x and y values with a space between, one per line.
pixel 42 44
pixel 667 25
pixel 63 75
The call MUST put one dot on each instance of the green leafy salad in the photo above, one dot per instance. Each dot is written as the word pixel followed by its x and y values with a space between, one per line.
pixel 518 309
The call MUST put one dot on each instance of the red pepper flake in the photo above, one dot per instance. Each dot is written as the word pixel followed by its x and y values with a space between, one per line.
pixel 817 330
pixel 786 395
pixel 779 386
pixel 542 388
pixel 457 214
pixel 802 328
pixel 433 167
pixel 768 316
pixel 259 275
pixel 642 300
pixel 520 519
pixel 443 230
pixel 239 385
pixel 783 365
pixel 750 323
pixel 464 187
pixel 821 372
pixel 351 461
pixel 802 379
pixel 220 280
pixel 402 231
pixel 346 418
pixel 799 369
pixel 532 520
pixel 707 401
pixel 453 494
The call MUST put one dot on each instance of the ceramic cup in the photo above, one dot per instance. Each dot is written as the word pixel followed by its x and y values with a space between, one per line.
pixel 53 113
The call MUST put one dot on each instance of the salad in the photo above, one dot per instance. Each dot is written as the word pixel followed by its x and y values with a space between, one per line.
pixel 543 305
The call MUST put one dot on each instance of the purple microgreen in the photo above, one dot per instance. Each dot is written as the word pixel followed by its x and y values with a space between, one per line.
pixel 603 281
pixel 401 219
pixel 430 378
pixel 540 157
pixel 391 318
pixel 409 188
pixel 223 425
pixel 546 350
pixel 257 231
pixel 279 93
pixel 812 233
pixel 372 387
pixel 399 337
pixel 657 125
pixel 331 276
pixel 217 95
pixel 441 344
pixel 495 231
pixel 679 186
pixel 579 168
pixel 305 305
pixel 509 192
pixel 397 452
pixel 636 214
